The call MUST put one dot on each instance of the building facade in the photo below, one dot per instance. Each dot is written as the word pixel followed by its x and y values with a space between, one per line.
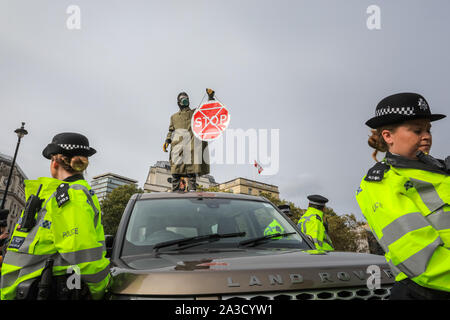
pixel 159 174
pixel 15 200
pixel 251 187
pixel 105 183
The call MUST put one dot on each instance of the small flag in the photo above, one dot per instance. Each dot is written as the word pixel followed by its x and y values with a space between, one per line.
pixel 259 167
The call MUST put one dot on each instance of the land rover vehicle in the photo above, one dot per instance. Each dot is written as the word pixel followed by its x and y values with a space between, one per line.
pixel 201 245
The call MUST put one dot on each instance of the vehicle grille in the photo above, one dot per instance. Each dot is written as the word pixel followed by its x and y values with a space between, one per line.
pixel 333 294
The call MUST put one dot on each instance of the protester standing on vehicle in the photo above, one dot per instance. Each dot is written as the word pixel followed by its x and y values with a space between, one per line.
pixel 405 198
pixel 64 228
pixel 312 223
pixel 189 156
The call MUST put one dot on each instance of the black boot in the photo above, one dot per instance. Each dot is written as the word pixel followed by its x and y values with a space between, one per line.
pixel 192 182
pixel 176 182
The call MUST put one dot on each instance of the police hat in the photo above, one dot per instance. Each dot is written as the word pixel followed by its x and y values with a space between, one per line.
pixel 317 199
pixel 69 144
pixel 401 107
pixel 285 208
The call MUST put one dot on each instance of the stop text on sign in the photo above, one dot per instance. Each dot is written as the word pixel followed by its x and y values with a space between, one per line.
pixel 210 120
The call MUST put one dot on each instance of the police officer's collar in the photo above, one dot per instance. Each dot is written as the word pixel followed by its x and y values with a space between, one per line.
pixel 398 161
pixel 75 177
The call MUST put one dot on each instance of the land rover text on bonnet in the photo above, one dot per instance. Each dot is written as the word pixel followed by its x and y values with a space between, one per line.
pixel 201 245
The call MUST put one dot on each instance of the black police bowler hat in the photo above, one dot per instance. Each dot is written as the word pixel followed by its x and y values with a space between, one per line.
pixel 285 208
pixel 317 199
pixel 401 107
pixel 69 144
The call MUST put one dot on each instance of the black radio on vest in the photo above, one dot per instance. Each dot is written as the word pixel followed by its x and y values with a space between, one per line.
pixel 32 206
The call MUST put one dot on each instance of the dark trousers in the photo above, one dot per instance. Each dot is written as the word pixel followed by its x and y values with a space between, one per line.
pixel 409 290
pixel 57 290
pixel 191 183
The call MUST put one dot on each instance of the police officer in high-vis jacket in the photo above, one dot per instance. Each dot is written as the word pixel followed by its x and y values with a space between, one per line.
pixel 312 223
pixel 59 233
pixel 405 198
pixel 273 228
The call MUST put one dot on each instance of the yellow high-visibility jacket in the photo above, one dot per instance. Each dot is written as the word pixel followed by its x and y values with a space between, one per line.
pixel 311 223
pixel 273 228
pixel 406 204
pixel 68 230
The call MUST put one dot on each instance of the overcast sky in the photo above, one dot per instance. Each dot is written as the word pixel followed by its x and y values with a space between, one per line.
pixel 311 69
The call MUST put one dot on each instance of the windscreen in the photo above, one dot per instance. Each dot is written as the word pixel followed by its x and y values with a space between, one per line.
pixel 153 221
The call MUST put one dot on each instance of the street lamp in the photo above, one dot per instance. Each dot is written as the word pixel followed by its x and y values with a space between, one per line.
pixel 21 132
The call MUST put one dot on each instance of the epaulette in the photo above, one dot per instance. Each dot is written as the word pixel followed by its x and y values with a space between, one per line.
pixel 376 173
pixel 62 194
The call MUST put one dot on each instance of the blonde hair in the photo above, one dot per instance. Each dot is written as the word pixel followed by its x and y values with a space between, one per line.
pixel 377 141
pixel 76 164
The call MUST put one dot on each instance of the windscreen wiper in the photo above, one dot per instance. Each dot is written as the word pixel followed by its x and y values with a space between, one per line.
pixel 254 241
pixel 186 242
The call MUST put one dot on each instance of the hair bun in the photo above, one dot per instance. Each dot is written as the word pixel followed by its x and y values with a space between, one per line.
pixel 377 142
pixel 79 163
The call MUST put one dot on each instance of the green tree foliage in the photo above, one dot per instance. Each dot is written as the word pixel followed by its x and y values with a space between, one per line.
pixel 114 204
pixel 343 230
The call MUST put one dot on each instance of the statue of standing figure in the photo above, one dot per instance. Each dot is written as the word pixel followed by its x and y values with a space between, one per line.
pixel 189 156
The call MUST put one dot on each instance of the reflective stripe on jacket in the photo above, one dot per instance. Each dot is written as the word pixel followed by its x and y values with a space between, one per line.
pixel 72 235
pixel 311 223
pixel 273 228
pixel 409 214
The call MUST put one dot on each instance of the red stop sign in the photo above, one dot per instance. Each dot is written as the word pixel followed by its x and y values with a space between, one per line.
pixel 210 120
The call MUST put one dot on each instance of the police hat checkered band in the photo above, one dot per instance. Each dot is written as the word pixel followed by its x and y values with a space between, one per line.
pixel 408 111
pixel 73 146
